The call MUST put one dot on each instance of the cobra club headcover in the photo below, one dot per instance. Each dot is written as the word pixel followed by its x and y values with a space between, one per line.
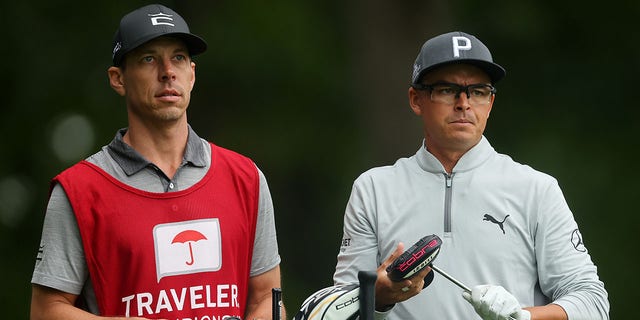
pixel 339 302
pixel 342 302
pixel 416 258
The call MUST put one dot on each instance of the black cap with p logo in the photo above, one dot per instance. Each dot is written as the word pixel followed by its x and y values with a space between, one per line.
pixel 455 47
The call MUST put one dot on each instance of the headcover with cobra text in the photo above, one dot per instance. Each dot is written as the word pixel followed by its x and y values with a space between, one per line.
pixel 339 302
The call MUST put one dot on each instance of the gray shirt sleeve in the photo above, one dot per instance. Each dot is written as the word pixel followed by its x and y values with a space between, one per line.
pixel 61 264
pixel 566 272
pixel 265 245
pixel 358 249
pixel 359 245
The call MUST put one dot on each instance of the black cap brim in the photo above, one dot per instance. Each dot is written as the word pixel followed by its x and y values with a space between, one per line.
pixel 195 45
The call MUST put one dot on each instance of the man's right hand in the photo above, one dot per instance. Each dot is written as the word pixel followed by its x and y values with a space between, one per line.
pixel 389 292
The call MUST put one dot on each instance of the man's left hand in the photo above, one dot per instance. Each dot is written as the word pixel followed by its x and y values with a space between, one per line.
pixel 495 303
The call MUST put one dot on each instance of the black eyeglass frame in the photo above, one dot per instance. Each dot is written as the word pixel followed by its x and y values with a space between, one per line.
pixel 465 89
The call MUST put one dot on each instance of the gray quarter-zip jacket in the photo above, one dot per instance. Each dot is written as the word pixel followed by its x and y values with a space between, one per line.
pixel 501 222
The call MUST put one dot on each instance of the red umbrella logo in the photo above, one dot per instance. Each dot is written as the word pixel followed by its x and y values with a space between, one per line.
pixel 189 236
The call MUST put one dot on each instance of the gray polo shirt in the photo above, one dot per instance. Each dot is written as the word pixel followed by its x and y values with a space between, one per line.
pixel 61 263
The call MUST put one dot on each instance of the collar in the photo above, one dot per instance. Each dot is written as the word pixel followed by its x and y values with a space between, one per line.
pixel 132 162
pixel 470 160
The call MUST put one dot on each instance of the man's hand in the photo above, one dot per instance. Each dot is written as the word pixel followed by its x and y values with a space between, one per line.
pixel 389 292
pixel 495 303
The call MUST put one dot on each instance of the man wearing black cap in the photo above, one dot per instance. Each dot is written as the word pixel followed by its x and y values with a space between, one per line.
pixel 159 223
pixel 507 231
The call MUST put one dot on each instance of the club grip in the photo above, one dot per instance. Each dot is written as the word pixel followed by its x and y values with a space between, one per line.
pixel 276 304
pixel 367 294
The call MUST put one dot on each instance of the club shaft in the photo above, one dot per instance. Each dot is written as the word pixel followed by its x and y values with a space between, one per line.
pixel 452 279
pixel 455 281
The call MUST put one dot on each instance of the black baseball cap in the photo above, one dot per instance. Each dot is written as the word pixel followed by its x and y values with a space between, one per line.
pixel 455 47
pixel 148 23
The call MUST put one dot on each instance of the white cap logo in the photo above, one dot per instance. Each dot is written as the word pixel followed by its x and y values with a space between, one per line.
pixel 187 247
pixel 460 43
pixel 416 70
pixel 161 18
pixel 116 48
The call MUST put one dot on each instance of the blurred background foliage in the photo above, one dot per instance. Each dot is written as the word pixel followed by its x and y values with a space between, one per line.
pixel 315 93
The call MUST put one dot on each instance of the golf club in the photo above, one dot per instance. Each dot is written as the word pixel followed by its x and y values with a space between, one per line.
pixel 367 295
pixel 276 304
pixel 452 279
pixel 418 257
pixel 455 281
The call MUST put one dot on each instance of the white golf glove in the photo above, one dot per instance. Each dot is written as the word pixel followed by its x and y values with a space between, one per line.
pixel 495 303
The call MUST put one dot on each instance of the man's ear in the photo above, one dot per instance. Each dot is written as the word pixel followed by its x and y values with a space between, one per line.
pixel 116 80
pixel 414 101
pixel 193 74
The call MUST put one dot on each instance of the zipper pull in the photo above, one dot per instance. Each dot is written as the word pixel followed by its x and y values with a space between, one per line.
pixel 448 179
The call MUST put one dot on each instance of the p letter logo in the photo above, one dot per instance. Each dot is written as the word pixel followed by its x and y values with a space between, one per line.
pixel 460 43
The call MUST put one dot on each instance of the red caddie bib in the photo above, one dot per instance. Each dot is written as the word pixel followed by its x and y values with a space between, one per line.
pixel 176 255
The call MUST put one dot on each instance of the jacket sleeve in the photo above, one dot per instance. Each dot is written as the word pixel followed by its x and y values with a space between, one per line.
pixel 359 246
pixel 566 271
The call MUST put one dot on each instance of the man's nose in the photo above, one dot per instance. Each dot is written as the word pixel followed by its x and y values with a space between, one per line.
pixel 167 73
pixel 462 101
